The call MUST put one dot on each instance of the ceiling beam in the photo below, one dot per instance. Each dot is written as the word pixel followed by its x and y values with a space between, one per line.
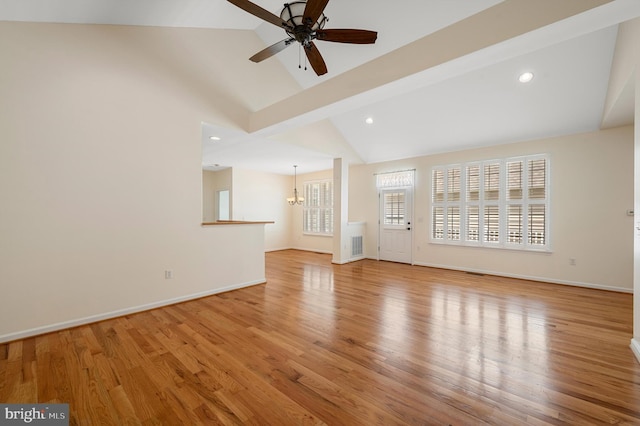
pixel 450 51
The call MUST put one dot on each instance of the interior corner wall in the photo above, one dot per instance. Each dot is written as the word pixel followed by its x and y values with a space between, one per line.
pixel 261 196
pixel 591 192
pixel 625 60
pixel 341 236
pixel 635 341
pixel 625 75
pixel 101 180
pixel 212 182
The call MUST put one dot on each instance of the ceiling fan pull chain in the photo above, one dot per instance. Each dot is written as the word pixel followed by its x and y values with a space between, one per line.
pixel 305 58
pixel 300 47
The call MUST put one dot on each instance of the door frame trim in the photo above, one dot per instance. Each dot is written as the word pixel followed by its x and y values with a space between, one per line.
pixel 411 190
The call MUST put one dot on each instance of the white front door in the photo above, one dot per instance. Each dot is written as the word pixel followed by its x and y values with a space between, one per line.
pixel 395 225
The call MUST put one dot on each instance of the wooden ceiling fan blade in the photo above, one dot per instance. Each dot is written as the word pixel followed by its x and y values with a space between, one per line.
pixel 313 10
pixel 271 50
pixel 259 12
pixel 347 36
pixel 315 59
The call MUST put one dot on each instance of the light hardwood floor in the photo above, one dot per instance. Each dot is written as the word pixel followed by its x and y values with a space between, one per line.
pixel 363 343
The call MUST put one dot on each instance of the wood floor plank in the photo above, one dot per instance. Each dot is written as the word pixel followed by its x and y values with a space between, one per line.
pixel 363 343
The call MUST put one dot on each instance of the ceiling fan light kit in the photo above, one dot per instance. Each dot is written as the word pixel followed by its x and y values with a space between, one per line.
pixel 304 21
pixel 293 14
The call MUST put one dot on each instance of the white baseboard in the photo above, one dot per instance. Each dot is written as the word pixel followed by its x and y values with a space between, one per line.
pixel 311 250
pixel 635 347
pixel 487 272
pixel 528 277
pixel 352 259
pixel 121 312
pixel 276 249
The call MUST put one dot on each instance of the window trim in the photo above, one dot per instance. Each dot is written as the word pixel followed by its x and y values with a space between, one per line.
pixel 464 202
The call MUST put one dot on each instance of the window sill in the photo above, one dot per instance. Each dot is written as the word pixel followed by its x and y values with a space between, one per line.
pixel 312 234
pixel 235 222
pixel 544 250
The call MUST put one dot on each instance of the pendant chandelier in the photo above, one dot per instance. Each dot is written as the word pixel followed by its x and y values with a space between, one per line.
pixel 295 199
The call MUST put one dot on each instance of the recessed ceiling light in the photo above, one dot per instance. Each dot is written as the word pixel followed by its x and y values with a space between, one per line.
pixel 214 138
pixel 525 77
pixel 369 120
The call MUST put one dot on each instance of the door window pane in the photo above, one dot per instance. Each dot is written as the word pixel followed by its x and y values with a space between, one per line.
pixel 394 208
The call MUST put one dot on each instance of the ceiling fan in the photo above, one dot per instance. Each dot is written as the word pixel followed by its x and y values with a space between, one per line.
pixel 304 21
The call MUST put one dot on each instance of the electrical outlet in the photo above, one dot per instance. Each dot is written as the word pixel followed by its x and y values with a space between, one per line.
pixel 168 274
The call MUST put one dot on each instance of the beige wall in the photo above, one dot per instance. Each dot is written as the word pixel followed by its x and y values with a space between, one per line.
pixel 592 188
pixel 100 176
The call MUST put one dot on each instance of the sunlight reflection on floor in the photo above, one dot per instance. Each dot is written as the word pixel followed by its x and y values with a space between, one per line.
pixel 502 327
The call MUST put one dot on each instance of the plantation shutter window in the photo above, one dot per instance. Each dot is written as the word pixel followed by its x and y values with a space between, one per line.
pixel 453 223
pixel 446 197
pixel 496 203
pixel 453 184
pixel 537 224
pixel 438 223
pixel 537 179
pixel 514 223
pixel 514 180
pixel 438 185
pixel 318 207
pixel 473 183
pixel 473 223
pixel 492 182
pixel 492 224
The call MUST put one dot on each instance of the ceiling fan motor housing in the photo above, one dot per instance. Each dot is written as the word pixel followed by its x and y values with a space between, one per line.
pixel 303 32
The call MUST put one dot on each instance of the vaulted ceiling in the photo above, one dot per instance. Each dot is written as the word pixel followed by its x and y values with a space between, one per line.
pixel 442 76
